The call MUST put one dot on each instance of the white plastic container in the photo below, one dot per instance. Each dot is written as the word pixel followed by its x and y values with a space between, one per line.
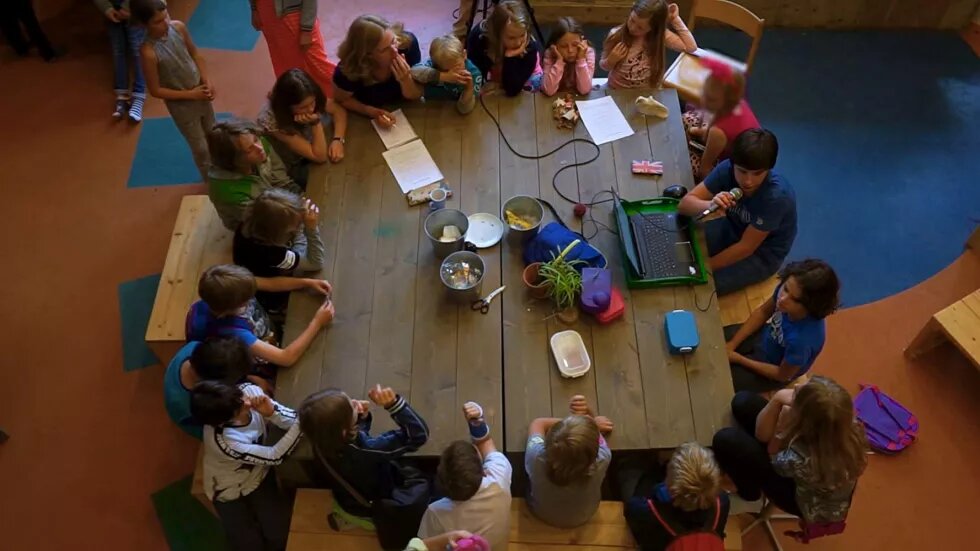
pixel 570 354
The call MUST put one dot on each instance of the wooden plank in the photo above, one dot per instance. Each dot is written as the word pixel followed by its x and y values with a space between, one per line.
pixel 962 325
pixel 550 137
pixel 479 353
pixel 734 308
pixel 190 210
pixel 663 381
pixel 433 392
pixel 187 272
pixel 606 528
pixel 615 354
pixel 336 541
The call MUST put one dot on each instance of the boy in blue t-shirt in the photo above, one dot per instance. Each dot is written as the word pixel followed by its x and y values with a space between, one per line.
pixel 749 243
pixel 222 359
pixel 783 337
pixel 448 74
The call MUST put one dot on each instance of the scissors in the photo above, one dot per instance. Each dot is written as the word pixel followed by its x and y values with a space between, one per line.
pixel 483 305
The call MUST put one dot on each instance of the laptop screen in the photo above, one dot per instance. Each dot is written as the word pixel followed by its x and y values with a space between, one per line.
pixel 626 234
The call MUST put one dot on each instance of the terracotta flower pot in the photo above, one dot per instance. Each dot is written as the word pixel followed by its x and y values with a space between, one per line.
pixel 536 287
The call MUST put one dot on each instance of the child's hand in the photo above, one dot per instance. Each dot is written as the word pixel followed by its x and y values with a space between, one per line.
pixel 578 405
pixel 112 14
pixel 553 52
pixel 209 88
pixel 617 54
pixel 335 151
pixel 361 407
pixel 696 132
pixel 256 22
pixel 784 396
pixel 400 67
pixel 321 286
pixel 307 118
pixel 583 49
pixel 520 50
pixel 384 119
pixel 455 536
pixel 605 424
pixel 472 411
pixel 305 40
pixel 123 14
pixel 734 357
pixel 198 93
pixel 724 200
pixel 384 397
pixel 311 214
pixel 262 404
pixel 672 11
pixel 324 315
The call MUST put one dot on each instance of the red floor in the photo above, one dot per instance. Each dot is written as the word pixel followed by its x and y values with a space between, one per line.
pixel 90 443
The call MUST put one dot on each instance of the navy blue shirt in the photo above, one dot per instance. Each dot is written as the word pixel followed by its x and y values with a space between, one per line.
pixel 797 342
pixel 379 93
pixel 772 208
pixel 650 535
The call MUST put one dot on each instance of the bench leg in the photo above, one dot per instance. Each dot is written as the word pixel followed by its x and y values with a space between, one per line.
pixel 928 338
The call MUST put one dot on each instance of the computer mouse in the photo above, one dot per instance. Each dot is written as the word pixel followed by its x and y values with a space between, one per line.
pixel 675 191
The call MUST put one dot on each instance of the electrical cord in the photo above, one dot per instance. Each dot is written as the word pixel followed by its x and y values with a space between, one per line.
pixel 710 298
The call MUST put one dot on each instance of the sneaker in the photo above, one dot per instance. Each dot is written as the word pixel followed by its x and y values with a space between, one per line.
pixel 136 109
pixel 122 106
pixel 738 506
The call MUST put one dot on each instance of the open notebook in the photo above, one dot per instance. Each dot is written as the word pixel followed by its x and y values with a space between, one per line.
pixel 409 160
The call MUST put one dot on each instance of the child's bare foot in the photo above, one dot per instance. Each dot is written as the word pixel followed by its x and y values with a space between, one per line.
pixel 605 424
pixel 578 405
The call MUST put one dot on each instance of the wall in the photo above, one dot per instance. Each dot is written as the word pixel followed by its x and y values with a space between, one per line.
pixel 925 14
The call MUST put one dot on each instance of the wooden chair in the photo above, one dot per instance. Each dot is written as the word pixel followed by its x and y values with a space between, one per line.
pixel 687 74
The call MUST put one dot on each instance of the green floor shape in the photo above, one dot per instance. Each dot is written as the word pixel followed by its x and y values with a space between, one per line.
pixel 188 525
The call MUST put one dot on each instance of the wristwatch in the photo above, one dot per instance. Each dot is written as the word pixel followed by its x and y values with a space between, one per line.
pixel 339 139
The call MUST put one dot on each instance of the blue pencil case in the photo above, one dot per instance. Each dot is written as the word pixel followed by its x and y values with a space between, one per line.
pixel 681 331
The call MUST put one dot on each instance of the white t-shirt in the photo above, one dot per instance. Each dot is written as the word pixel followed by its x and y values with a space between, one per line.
pixel 487 513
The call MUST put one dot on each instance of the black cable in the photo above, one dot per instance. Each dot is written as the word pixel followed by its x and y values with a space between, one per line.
pixel 589 217
pixel 710 298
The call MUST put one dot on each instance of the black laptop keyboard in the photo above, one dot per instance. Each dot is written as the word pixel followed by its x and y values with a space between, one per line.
pixel 656 236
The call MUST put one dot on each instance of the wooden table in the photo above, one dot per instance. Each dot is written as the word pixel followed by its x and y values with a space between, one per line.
pixel 395 326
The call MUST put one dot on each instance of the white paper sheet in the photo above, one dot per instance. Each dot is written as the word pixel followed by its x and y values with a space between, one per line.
pixel 603 119
pixel 412 166
pixel 401 133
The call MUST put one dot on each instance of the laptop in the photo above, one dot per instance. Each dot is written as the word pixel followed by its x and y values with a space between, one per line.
pixel 657 245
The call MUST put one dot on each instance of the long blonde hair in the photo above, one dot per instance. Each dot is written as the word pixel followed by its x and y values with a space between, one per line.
pixel 654 11
pixel 362 38
pixel 494 25
pixel 823 426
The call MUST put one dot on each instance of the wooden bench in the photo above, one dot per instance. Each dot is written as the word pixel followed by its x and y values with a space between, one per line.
pixel 197 483
pixel 606 531
pixel 738 306
pixel 199 241
pixel 958 323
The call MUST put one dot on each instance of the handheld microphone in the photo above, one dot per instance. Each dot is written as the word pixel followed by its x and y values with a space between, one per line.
pixel 736 194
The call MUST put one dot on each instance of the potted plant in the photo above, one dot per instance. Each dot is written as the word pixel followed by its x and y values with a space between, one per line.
pixel 537 286
pixel 565 282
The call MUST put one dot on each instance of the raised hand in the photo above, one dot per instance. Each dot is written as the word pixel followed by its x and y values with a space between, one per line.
pixel 384 397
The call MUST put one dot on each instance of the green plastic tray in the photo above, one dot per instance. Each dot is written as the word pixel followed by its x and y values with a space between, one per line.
pixel 661 205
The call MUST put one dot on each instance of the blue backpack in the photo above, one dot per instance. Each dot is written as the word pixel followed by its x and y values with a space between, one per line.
pixel 553 238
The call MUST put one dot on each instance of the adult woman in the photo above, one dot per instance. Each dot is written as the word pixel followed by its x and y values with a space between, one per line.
pixel 803 449
pixel 375 61
pixel 292 33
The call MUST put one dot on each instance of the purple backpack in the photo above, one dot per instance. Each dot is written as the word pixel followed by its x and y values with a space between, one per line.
pixel 889 425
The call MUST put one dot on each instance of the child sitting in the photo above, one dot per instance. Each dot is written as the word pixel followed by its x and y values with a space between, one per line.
pixel 568 61
pixel 726 114
pixel 566 461
pixel 293 119
pixel 339 428
pixel 244 164
pixel 688 500
pixel 280 235
pixel 222 359
pixel 476 479
pixel 228 309
pixel 448 74
pixel 633 53
pixel 254 513
pixel 504 50
pixel 176 73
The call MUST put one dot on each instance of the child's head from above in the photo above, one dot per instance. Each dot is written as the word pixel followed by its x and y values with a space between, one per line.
pixel 822 424
pixel 693 477
pixel 273 217
pixel 447 53
pixel 460 471
pixel 295 93
pixel 566 37
pixel 506 28
pixel 226 288
pixel 371 42
pixel 810 288
pixel 328 418
pixel 152 14
pixel 216 403
pixel 571 446
pixel 647 18
pixel 723 88
pixel 221 359
pixel 753 156
pixel 235 145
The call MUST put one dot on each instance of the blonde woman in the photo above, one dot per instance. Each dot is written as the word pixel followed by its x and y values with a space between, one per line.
pixel 803 449
pixel 376 58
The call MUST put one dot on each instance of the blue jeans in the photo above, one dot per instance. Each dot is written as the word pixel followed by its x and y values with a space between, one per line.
pixel 126 39
pixel 720 234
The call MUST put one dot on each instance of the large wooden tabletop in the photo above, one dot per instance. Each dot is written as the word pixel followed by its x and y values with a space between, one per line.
pixel 395 325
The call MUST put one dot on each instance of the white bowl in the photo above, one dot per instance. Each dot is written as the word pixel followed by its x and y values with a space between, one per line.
pixel 570 354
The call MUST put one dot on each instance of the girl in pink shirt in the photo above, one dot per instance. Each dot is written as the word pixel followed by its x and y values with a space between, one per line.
pixel 569 61
pixel 633 53
pixel 726 114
